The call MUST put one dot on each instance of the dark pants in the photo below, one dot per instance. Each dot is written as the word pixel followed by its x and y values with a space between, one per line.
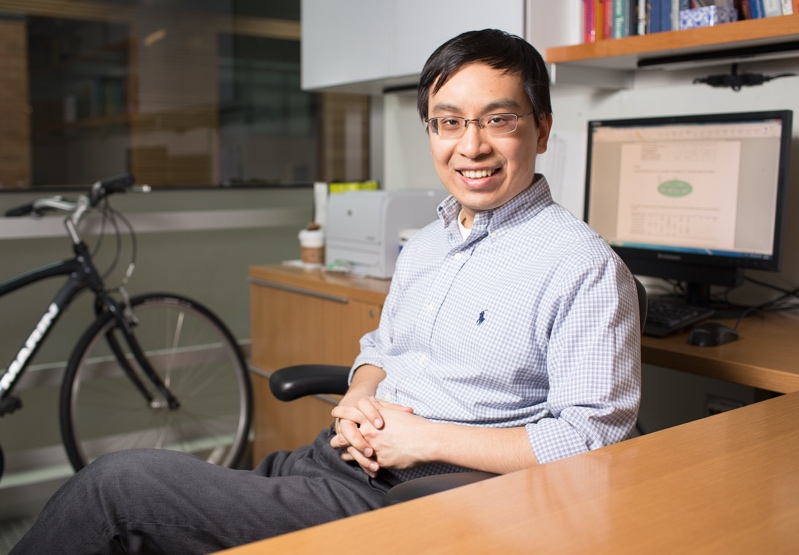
pixel 157 501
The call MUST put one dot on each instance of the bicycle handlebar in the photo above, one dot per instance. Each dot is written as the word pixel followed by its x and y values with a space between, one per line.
pixel 109 186
pixel 98 191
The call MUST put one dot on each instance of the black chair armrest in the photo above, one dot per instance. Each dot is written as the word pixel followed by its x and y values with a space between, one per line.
pixel 293 382
pixel 429 485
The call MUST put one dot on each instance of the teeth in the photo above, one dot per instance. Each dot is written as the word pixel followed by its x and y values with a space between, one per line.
pixel 477 174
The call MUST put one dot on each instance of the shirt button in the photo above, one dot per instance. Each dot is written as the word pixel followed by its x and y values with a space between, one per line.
pixel 422 359
pixel 388 397
pixel 430 307
pixel 458 256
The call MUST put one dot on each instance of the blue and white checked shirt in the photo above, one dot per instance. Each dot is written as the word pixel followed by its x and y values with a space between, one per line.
pixel 531 321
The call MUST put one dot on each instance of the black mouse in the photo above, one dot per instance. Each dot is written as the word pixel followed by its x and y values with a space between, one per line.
pixel 711 334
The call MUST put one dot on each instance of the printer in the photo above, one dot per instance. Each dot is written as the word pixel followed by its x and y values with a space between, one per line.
pixel 363 227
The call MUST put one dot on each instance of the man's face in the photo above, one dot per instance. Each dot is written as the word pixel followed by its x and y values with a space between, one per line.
pixel 480 170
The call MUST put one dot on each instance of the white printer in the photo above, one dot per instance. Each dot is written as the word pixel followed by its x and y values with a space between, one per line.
pixel 363 227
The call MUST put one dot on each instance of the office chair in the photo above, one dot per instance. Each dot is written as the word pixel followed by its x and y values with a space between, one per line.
pixel 293 382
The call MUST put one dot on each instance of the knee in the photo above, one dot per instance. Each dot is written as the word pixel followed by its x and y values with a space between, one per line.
pixel 119 475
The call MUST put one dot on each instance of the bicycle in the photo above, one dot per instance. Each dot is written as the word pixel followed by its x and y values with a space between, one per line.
pixel 153 370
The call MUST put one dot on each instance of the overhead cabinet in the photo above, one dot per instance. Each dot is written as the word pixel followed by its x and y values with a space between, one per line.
pixel 366 46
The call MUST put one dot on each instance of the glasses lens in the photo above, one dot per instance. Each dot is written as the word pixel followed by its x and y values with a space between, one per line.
pixel 450 126
pixel 498 124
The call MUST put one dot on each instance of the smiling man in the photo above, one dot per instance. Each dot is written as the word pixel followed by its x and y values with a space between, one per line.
pixel 509 338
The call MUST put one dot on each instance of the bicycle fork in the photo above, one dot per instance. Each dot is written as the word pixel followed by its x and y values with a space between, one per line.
pixel 125 321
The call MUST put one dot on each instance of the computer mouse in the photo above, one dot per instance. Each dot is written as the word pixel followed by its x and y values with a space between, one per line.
pixel 711 334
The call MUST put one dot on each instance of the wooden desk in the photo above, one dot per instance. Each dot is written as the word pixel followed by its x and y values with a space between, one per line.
pixel 724 484
pixel 766 356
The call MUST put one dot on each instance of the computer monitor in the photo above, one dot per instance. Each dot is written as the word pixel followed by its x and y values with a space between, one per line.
pixel 697 198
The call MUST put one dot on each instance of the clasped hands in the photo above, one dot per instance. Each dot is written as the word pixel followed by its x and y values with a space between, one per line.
pixel 375 433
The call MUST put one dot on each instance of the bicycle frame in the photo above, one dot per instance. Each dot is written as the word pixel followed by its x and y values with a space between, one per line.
pixel 82 275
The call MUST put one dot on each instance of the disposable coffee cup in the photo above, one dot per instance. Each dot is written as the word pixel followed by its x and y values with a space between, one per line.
pixel 312 247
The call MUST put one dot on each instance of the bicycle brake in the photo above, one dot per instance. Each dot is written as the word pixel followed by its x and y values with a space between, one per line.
pixel 128 310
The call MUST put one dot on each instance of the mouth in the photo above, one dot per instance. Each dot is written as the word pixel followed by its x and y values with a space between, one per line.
pixel 478 174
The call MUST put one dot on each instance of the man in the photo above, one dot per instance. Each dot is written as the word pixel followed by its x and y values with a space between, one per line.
pixel 510 337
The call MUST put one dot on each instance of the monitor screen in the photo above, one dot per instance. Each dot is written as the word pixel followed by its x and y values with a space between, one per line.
pixel 697 199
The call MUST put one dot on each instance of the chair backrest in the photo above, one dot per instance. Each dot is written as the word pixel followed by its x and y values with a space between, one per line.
pixel 642 302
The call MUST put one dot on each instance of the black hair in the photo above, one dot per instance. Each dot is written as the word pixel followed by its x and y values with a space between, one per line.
pixel 497 49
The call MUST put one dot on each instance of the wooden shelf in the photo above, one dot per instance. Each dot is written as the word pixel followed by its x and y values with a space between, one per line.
pixel 625 53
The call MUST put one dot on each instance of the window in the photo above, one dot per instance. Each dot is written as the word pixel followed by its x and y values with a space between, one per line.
pixel 179 93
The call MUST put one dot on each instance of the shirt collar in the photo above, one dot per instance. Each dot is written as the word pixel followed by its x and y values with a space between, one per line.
pixel 521 207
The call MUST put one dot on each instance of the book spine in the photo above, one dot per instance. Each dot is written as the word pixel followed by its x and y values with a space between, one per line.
pixel 632 17
pixel 666 23
pixel 787 7
pixel 599 15
pixel 746 10
pixel 675 14
pixel 589 21
pixel 756 7
pixel 642 9
pixel 772 8
pixel 619 21
pixel 608 19
pixel 655 15
pixel 795 6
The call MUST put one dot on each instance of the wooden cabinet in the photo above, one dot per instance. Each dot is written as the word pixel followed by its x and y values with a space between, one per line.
pixel 303 317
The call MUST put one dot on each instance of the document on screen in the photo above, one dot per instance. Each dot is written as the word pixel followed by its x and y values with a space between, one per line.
pixel 679 193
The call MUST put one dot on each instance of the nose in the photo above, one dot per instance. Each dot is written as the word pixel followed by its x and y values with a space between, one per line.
pixel 474 141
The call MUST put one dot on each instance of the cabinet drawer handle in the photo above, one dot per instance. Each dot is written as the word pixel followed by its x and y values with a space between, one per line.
pixel 291 289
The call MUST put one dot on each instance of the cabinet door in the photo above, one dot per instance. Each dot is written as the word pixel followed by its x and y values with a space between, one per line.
pixel 367 42
pixel 422 26
pixel 346 41
pixel 297 328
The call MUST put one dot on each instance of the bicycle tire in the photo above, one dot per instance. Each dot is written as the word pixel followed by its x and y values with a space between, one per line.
pixel 198 359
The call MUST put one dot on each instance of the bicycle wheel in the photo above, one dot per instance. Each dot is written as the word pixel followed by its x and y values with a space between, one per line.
pixel 195 356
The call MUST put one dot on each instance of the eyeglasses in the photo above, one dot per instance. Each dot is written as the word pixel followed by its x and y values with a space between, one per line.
pixel 454 127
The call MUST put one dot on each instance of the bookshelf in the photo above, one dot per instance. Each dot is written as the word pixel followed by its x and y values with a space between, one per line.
pixel 625 53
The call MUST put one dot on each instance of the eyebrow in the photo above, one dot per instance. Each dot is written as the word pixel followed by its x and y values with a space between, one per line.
pixel 499 104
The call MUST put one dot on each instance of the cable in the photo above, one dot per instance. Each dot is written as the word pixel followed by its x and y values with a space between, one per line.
pixel 736 81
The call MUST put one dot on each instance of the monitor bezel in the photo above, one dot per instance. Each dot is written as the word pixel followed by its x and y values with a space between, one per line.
pixel 694 267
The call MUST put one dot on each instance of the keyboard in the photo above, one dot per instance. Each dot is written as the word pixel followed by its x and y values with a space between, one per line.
pixel 664 317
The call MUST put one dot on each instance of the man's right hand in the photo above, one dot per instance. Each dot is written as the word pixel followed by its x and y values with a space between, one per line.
pixel 350 414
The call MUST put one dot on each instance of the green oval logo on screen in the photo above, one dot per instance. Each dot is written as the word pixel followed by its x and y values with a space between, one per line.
pixel 675 188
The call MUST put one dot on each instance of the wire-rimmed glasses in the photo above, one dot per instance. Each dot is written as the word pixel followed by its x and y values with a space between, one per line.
pixel 454 127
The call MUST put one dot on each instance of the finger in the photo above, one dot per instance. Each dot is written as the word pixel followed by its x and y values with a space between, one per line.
pixel 369 408
pixel 369 466
pixel 353 414
pixel 352 437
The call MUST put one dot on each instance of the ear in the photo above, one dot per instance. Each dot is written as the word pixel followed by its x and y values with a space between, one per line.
pixel 544 126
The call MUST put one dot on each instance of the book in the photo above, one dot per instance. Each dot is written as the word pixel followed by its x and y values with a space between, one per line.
pixel 655 15
pixel 675 15
pixel 589 21
pixel 642 15
pixel 756 8
pixel 772 8
pixel 745 9
pixel 620 7
pixel 632 17
pixel 607 19
pixel 787 7
pixel 599 15
pixel 666 22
